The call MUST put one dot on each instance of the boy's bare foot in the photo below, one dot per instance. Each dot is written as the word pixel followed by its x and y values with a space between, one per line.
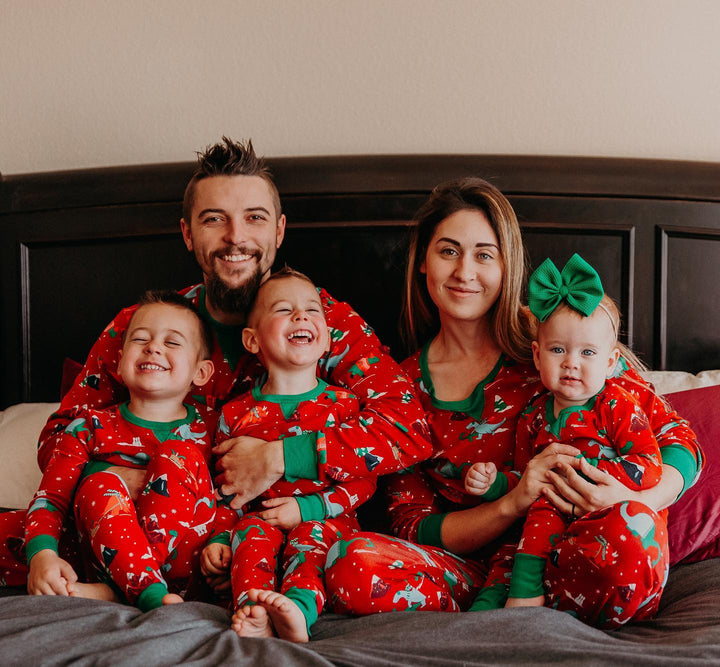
pixel 172 598
pixel 538 601
pixel 252 621
pixel 287 619
pixel 92 591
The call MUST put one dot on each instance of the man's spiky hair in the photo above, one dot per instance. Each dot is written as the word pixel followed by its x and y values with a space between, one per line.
pixel 228 158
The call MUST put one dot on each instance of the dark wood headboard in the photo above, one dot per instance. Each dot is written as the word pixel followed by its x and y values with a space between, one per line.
pixel 77 246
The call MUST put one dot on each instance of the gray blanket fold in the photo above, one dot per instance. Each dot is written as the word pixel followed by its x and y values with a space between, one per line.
pixel 53 631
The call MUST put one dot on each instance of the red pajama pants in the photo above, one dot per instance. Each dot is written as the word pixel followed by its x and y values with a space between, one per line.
pixel 157 539
pixel 607 568
pixel 257 546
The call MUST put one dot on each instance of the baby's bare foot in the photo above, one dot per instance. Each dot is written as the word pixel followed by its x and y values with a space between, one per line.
pixel 92 591
pixel 287 619
pixel 172 598
pixel 252 621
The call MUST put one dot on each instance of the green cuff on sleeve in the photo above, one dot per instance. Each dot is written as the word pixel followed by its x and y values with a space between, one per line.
pixel 38 544
pixel 429 530
pixel 301 461
pixel 220 538
pixel 312 507
pixel 497 489
pixel 683 461
pixel 527 576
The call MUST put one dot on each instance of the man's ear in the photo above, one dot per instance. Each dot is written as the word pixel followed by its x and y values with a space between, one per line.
pixel 280 231
pixel 612 361
pixel 187 237
pixel 249 340
pixel 536 354
pixel 203 372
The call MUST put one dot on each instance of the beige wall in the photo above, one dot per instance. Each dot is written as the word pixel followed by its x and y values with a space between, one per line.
pixel 88 83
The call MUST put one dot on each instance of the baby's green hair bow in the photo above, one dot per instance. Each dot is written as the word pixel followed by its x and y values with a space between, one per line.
pixel 578 285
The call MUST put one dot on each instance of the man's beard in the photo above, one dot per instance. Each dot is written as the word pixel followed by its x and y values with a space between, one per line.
pixel 233 300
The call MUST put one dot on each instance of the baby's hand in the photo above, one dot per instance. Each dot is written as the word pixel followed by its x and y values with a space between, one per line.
pixel 215 565
pixel 283 513
pixel 480 478
pixel 49 574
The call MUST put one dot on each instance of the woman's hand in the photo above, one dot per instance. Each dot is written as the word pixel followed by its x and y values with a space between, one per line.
pixel 248 467
pixel 537 476
pixel 575 496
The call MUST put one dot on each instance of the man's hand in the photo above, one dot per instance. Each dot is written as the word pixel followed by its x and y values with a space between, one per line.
pixel 248 467
pixel 284 513
pixel 480 478
pixel 215 562
pixel 49 574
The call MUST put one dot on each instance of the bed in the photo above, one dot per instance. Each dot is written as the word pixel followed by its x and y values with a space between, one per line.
pixel 77 246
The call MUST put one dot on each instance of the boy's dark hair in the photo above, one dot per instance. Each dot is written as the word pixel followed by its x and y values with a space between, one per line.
pixel 285 272
pixel 173 298
pixel 229 158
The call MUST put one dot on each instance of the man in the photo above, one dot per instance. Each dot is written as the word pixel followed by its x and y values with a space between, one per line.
pixel 233 223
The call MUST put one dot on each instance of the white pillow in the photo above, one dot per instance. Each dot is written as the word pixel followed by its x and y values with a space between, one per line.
pixel 20 426
pixel 667 382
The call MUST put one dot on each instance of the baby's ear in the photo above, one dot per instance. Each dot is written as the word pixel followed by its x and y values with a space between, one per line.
pixel 328 342
pixel 250 341
pixel 612 361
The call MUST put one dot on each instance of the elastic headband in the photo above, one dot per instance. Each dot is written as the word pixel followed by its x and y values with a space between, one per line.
pixel 578 285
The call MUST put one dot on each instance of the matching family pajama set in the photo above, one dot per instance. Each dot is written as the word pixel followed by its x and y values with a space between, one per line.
pixel 380 573
pixel 389 430
pixel 613 433
pixel 139 547
pixel 327 507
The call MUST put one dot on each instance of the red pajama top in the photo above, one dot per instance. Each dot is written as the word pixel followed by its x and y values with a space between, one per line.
pixel 391 423
pixel 482 428
pixel 273 417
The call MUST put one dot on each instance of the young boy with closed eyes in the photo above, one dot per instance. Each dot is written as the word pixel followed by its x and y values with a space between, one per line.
pixel 144 545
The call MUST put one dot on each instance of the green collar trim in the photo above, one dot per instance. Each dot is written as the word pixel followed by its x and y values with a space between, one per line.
pixel 556 424
pixel 288 402
pixel 474 404
pixel 158 428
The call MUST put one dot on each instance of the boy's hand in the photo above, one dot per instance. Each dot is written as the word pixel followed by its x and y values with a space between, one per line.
pixel 215 565
pixel 49 574
pixel 283 513
pixel 480 478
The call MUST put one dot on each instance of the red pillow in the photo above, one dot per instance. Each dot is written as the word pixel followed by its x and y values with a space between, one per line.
pixel 694 520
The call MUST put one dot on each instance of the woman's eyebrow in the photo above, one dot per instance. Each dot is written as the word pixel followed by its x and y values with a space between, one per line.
pixel 481 244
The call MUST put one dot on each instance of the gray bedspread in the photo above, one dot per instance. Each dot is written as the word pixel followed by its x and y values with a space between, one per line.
pixel 53 631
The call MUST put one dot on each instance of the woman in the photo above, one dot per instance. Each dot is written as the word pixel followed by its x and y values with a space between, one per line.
pixel 474 375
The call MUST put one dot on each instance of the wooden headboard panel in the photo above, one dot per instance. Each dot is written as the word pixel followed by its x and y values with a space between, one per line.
pixel 77 246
